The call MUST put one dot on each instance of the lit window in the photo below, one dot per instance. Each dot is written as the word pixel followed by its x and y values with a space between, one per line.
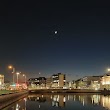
pixel 103 83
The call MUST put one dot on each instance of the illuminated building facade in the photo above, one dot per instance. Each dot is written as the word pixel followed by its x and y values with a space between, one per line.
pixel 105 82
pixel 37 82
pixel 58 80
pixel 48 82
pixel 1 79
pixel 88 82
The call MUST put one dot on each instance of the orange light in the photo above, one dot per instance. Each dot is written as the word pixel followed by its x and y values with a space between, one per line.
pixel 10 67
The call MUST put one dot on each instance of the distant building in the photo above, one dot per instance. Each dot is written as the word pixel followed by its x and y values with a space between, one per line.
pixel 1 79
pixel 33 81
pixel 58 80
pixel 42 81
pixel 37 82
pixel 88 82
pixel 68 85
pixel 73 84
pixel 78 83
pixel 105 81
pixel 48 82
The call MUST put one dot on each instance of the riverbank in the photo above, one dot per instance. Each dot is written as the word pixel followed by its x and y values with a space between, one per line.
pixel 63 91
pixel 8 99
pixel 104 92
pixel 7 91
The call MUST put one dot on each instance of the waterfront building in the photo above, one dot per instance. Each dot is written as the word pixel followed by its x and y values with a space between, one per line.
pixel 42 82
pixel 37 82
pixel 68 85
pixel 58 80
pixel 105 81
pixel 95 83
pixel 73 84
pixel 88 82
pixel 48 82
pixel 1 79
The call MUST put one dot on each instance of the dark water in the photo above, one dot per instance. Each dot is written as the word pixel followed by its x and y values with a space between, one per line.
pixel 62 102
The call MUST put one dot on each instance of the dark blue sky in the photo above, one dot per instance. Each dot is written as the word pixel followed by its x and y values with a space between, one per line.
pixel 81 47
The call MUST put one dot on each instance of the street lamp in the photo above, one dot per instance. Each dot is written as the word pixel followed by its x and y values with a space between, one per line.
pixel 13 71
pixel 24 77
pixel 17 77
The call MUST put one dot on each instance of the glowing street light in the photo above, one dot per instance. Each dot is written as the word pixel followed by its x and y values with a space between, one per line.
pixel 10 67
pixel 13 71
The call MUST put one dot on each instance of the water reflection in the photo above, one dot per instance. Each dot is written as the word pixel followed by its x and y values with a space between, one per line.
pixel 60 100
pixel 46 101
pixel 55 100
pixel 87 99
pixel 20 105
pixel 105 101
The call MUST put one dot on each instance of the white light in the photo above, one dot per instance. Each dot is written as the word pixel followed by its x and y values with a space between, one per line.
pixel 108 69
pixel 56 32
pixel 17 73
pixel 64 99
pixel 39 106
pixel 0 83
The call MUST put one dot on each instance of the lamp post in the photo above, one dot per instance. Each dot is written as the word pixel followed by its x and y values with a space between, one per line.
pixel 17 77
pixel 13 71
pixel 24 77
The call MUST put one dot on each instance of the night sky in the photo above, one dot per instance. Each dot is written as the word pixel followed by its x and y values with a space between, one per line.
pixel 28 41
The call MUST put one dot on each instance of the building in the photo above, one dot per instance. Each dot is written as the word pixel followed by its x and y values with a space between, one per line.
pixel 95 82
pixel 1 79
pixel 48 82
pixel 68 85
pixel 58 80
pixel 105 81
pixel 73 84
pixel 42 81
pixel 79 83
pixel 88 82
pixel 37 82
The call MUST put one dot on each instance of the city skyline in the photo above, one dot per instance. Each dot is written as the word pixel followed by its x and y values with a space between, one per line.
pixel 53 37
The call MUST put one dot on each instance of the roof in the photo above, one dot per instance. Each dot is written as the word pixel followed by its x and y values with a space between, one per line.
pixel 106 74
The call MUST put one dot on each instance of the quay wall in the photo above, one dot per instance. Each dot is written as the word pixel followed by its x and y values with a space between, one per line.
pixel 8 99
pixel 64 91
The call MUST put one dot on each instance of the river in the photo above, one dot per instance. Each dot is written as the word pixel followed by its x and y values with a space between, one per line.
pixel 62 102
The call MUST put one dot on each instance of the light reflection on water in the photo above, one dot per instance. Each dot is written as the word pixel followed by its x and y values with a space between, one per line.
pixel 62 101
